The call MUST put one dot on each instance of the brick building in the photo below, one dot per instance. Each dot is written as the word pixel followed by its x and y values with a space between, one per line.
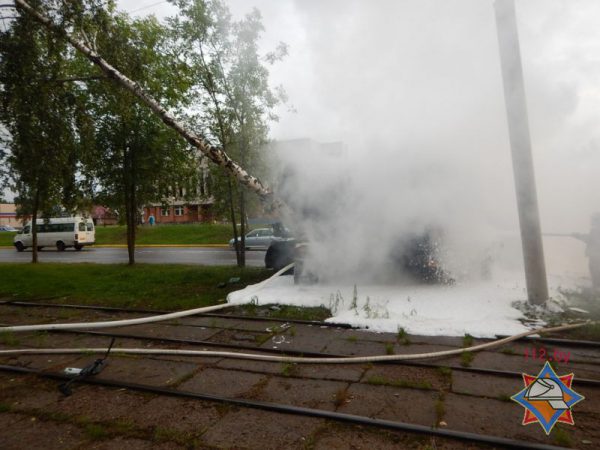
pixel 183 207
pixel 103 216
pixel 8 215
pixel 179 211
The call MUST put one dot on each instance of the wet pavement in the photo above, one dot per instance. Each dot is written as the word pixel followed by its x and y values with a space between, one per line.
pixel 148 255
pixel 33 413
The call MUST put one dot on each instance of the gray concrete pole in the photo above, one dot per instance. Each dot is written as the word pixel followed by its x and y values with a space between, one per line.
pixel 520 142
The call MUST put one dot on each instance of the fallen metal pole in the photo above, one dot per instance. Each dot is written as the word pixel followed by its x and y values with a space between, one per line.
pixel 520 143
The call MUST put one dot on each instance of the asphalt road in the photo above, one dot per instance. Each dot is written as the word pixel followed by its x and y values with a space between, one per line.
pixel 150 255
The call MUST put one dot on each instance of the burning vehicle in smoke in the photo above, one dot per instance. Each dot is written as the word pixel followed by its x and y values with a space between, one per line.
pixel 417 255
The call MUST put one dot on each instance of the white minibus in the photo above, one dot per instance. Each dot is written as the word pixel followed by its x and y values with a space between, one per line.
pixel 59 232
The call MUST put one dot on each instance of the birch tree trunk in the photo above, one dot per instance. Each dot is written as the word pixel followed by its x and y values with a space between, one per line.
pixel 215 154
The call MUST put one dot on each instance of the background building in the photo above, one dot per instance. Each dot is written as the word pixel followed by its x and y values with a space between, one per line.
pixel 8 215
pixel 184 206
pixel 102 216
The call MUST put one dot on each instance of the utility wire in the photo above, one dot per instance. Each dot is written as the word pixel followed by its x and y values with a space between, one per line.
pixel 147 6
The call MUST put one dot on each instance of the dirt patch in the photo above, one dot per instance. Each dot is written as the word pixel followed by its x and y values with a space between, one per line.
pixel 180 415
pixel 26 396
pixel 133 444
pixel 261 430
pixel 97 404
pixel 30 432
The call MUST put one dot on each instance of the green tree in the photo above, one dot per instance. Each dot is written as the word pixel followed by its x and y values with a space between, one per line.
pixel 40 109
pixel 135 159
pixel 232 92
pixel 72 130
pixel 77 38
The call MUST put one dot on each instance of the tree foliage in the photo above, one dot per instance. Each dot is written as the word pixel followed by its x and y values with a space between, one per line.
pixel 233 98
pixel 72 131
pixel 40 112
pixel 135 158
pixel 101 132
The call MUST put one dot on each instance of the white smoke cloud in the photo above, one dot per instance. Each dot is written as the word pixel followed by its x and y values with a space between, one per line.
pixel 413 88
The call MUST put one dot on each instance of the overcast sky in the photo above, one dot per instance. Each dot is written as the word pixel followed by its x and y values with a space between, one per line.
pixel 422 79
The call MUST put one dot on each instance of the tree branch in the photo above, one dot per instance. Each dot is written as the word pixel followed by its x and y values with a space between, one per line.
pixel 215 154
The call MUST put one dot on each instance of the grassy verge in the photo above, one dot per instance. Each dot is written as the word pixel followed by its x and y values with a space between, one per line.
pixel 185 234
pixel 167 234
pixel 6 238
pixel 144 285
pixel 319 313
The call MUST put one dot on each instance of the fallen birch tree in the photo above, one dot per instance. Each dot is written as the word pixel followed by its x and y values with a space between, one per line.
pixel 215 154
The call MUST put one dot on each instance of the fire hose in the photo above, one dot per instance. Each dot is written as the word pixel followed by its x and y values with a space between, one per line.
pixel 247 356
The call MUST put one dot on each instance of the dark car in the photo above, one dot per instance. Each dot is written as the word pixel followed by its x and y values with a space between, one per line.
pixel 417 255
pixel 280 254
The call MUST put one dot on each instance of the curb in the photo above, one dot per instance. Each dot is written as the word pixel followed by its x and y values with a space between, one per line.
pixel 148 245
pixel 163 245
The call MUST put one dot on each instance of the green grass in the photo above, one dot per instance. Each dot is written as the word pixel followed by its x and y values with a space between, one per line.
pixel 318 313
pixel 143 285
pixel 167 234
pixel 274 311
pixel 9 339
pixel 440 408
pixel 562 437
pixel 184 234
pixel 589 332
pixel 445 371
pixel 467 340
pixel 6 238
pixel 288 369
pixel 466 358
pixel 402 336
pixel 96 431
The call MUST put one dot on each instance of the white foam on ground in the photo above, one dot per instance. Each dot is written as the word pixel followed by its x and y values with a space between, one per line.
pixel 480 308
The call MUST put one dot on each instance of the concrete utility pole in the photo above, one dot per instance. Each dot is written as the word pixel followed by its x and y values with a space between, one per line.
pixel 520 142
